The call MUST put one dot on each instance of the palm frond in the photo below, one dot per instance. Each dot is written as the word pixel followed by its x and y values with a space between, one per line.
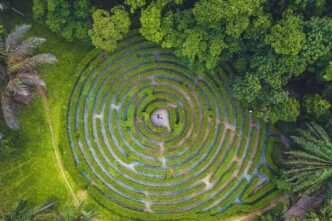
pixel 25 48
pixel 301 162
pixel 8 110
pixel 296 170
pixel 314 182
pixel 16 36
pixel 18 209
pixel 322 134
pixel 307 156
pixel 299 175
pixel 311 147
pixel 43 208
pixel 30 79
pixel 18 91
pixel 32 63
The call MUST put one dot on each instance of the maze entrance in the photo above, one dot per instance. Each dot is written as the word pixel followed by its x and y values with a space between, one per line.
pixel 157 141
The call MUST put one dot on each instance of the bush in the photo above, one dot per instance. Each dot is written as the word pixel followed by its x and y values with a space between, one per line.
pixel 316 107
pixel 109 29
pixel 69 19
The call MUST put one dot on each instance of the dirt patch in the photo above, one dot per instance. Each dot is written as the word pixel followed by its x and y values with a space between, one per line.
pixel 160 118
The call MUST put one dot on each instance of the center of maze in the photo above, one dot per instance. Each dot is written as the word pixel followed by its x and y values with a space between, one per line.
pixel 159 118
pixel 151 137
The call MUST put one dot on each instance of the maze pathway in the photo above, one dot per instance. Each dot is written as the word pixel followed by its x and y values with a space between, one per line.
pixel 159 142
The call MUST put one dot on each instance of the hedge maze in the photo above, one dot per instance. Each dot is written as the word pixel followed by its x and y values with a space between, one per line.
pixel 154 141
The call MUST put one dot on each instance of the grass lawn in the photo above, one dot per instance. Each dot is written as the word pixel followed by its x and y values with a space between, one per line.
pixel 32 173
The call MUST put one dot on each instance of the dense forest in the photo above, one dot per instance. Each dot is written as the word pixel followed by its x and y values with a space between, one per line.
pixel 280 51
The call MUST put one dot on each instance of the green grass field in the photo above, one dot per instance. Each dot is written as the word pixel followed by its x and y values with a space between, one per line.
pixel 33 173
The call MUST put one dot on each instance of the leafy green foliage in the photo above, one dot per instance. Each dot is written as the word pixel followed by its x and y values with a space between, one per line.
pixel 309 7
pixel 328 72
pixel 212 32
pixel 233 16
pixel 200 35
pixel 39 8
pixel 316 106
pixel 286 36
pixel 109 29
pixel 247 88
pixel 72 213
pixel 324 213
pixel 135 4
pixel 150 23
pixel 273 71
pixel 285 111
pixel 22 211
pixel 69 19
pixel 318 41
pixel 310 169
pixel 7 144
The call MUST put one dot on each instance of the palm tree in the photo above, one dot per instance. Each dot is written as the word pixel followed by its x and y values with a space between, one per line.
pixel 23 212
pixel 310 169
pixel 18 71
pixel 75 214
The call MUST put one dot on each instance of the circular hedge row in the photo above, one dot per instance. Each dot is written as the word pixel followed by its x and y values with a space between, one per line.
pixel 157 141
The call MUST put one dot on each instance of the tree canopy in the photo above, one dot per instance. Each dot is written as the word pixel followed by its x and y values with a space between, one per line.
pixel 269 44
pixel 109 28
pixel 69 19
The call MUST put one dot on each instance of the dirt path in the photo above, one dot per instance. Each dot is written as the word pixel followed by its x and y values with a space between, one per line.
pixel 260 212
pixel 56 151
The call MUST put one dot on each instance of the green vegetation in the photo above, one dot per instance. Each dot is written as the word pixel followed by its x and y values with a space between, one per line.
pixel 268 45
pixel 19 71
pixel 136 167
pixel 69 19
pixel 184 111
pixel 109 29
pixel 28 168
pixel 317 107
pixel 23 211
pixel 310 170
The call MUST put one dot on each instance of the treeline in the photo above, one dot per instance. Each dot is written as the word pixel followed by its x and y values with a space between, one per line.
pixel 69 19
pixel 280 51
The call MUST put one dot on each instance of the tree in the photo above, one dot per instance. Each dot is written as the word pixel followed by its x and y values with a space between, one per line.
pixel 18 73
pixel 327 76
pixel 109 29
pixel 234 16
pixel 39 8
pixel 286 36
pixel 247 88
pixel 150 23
pixel 272 71
pixel 310 170
pixel 75 214
pixel 135 4
pixel 316 106
pixel 69 19
pixel 201 36
pixel 287 110
pixel 21 211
